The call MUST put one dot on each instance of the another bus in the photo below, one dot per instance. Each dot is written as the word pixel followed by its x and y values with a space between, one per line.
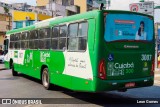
pixel 95 51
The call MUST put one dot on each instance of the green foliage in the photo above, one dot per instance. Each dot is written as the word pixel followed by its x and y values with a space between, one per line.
pixel 6 9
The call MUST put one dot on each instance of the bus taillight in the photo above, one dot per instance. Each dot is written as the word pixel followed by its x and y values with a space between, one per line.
pixel 105 14
pixel 102 70
pixel 152 68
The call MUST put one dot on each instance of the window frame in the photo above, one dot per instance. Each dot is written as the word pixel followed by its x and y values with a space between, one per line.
pixel 85 21
pixel 64 48
pixel 28 39
pixel 33 39
pixel 48 38
pixel 58 37
pixel 11 35
pixel 15 41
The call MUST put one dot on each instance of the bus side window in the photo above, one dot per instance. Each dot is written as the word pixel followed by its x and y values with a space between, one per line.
pixel 17 41
pixel 44 38
pixel 54 44
pixel 31 44
pixel 24 40
pixel 55 32
pixel 72 37
pixel 47 33
pixel 34 42
pixel 17 45
pixel 42 44
pixel 77 38
pixel 48 38
pixel 11 45
pixel 47 43
pixel 41 33
pixel 12 37
pixel 24 44
pixel 82 35
pixel 62 37
pixel 54 36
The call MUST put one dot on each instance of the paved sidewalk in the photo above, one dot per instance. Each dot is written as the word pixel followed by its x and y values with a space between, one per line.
pixel 2 67
pixel 157 78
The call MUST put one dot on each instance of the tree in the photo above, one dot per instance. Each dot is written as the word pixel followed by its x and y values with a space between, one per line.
pixel 6 9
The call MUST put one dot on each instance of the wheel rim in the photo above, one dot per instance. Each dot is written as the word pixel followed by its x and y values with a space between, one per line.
pixel 45 78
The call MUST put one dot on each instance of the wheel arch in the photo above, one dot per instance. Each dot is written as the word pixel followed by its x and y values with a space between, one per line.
pixel 42 67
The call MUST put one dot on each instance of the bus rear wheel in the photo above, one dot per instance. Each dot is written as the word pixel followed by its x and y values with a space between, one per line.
pixel 14 73
pixel 46 79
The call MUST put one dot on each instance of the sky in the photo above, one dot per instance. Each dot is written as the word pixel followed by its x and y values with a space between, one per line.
pixel 115 5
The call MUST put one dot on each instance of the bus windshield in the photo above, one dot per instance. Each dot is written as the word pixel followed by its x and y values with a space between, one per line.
pixel 128 27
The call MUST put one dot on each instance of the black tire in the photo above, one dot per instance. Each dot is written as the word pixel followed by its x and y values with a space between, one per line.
pixel 14 73
pixel 46 79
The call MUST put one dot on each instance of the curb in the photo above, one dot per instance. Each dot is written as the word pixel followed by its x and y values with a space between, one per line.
pixel 2 69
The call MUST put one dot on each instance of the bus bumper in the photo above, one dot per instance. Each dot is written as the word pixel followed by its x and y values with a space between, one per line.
pixel 109 85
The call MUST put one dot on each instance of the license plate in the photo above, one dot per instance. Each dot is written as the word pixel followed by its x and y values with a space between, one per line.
pixel 131 84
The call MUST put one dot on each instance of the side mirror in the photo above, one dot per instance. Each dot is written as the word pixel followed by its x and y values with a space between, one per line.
pixel 4 42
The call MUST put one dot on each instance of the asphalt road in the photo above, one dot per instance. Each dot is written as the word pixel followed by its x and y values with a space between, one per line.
pixel 23 86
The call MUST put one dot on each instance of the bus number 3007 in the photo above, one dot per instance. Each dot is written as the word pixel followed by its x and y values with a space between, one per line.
pixel 146 57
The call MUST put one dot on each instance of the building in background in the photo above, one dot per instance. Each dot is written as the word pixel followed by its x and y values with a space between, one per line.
pixel 157 33
pixel 22 19
pixel 24 14
pixel 66 7
pixel 18 15
pixel 80 6
pixel 56 8
pixel 60 2
pixel 5 23
pixel 62 7
pixel 42 2
pixel 85 5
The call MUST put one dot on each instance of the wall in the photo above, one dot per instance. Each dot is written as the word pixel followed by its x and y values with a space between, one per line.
pixel 43 17
pixel 3 26
pixel 1 39
pixel 82 4
pixel 42 2
pixel 2 10
pixel 20 18
pixel 57 9
pixel 20 15
pixel 4 21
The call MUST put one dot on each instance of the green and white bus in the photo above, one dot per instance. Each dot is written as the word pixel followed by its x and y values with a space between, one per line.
pixel 95 51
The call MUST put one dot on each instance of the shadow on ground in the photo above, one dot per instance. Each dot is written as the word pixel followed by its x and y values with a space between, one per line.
pixel 101 99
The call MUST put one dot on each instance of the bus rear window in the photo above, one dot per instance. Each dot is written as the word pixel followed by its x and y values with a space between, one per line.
pixel 128 27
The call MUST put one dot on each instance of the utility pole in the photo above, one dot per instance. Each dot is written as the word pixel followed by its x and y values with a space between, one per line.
pixel 50 6
pixel 156 38
pixel 108 2
pixel 9 15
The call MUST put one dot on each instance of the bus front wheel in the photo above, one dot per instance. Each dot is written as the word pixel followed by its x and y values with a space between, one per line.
pixel 46 79
pixel 14 73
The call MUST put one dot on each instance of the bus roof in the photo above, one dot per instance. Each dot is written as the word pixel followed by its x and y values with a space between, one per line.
pixel 73 18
